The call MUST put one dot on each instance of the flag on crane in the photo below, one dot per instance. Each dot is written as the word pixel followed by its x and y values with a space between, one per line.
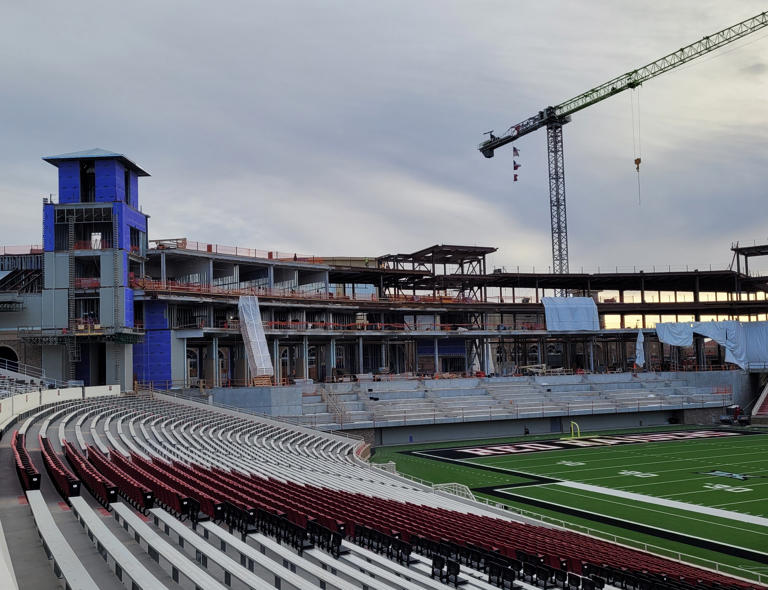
pixel 515 179
pixel 515 152
pixel 515 165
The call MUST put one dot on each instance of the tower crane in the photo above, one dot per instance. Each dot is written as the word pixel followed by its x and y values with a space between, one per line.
pixel 553 118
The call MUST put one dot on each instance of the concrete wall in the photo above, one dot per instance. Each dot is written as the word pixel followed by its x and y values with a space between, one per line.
pixel 481 430
pixel 53 361
pixel 119 363
pixel 18 404
pixel 273 401
pixel 178 357
pixel 703 416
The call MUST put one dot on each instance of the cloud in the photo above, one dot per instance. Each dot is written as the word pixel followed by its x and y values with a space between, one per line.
pixel 755 69
pixel 351 128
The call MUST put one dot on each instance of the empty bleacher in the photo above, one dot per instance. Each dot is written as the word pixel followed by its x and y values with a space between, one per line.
pixel 414 401
pixel 212 498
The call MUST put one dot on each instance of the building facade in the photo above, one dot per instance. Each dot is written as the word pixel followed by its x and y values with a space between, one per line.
pixel 98 302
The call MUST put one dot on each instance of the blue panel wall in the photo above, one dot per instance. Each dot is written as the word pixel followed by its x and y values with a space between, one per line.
pixel 129 308
pixel 152 357
pixel 48 228
pixel 110 181
pixel 450 346
pixel 134 181
pixel 128 217
pixel 69 181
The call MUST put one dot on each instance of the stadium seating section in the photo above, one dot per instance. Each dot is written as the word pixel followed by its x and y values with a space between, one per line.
pixel 194 470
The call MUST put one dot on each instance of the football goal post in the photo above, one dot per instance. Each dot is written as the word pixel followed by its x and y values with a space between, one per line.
pixel 575 430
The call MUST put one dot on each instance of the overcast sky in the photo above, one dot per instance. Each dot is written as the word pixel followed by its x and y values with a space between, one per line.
pixel 351 127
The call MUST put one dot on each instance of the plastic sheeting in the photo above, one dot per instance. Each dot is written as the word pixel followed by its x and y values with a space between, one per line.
pixel 259 360
pixel 745 343
pixel 640 349
pixel 676 334
pixel 571 313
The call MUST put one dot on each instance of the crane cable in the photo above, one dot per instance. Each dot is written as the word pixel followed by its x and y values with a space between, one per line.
pixel 636 146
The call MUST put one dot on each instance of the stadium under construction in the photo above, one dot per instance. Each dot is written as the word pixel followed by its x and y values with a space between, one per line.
pixel 99 303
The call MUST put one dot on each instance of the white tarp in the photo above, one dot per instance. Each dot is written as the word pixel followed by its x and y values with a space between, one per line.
pixel 571 313
pixel 745 343
pixel 259 360
pixel 640 349
pixel 676 334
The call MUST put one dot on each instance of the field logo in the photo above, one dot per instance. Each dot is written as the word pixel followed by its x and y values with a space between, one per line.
pixel 739 476
pixel 722 487
pixel 637 473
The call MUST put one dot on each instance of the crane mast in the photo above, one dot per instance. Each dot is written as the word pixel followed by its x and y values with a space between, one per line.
pixel 553 118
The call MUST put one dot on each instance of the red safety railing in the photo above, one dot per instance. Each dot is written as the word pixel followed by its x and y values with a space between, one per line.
pixel 92 245
pixel 87 283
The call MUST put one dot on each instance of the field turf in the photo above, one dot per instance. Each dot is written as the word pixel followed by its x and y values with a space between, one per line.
pixel 706 498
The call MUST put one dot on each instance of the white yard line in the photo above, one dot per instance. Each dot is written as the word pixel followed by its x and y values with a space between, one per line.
pixel 736 516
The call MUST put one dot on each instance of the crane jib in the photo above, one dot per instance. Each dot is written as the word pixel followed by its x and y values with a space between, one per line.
pixel 553 118
pixel 629 80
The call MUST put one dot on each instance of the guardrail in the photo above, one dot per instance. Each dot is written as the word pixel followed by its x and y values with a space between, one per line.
pixel 185 244
pixel 21 250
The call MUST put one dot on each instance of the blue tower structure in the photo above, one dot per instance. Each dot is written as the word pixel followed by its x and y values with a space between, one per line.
pixel 94 242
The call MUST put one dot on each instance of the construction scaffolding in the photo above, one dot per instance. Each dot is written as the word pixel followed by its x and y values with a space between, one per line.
pixel 259 360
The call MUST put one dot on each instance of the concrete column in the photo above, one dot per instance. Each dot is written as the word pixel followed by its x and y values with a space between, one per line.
pixel 332 354
pixel 592 355
pixel 163 276
pixel 215 355
pixel 271 276
pixel 276 359
pixel 383 354
pixel 305 357
pixel 186 365
pixel 236 274
pixel 327 284
pixel 360 354
pixel 210 272
pixel 437 356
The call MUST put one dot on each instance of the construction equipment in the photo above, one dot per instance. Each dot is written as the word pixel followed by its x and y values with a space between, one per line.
pixel 553 118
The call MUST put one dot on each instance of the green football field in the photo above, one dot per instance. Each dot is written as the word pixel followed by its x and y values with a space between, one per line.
pixel 704 500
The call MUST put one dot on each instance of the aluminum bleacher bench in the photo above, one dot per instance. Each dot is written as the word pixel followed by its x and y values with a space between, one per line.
pixel 278 554
pixel 170 559
pixel 120 560
pixel 213 559
pixel 7 575
pixel 66 565
pixel 388 570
